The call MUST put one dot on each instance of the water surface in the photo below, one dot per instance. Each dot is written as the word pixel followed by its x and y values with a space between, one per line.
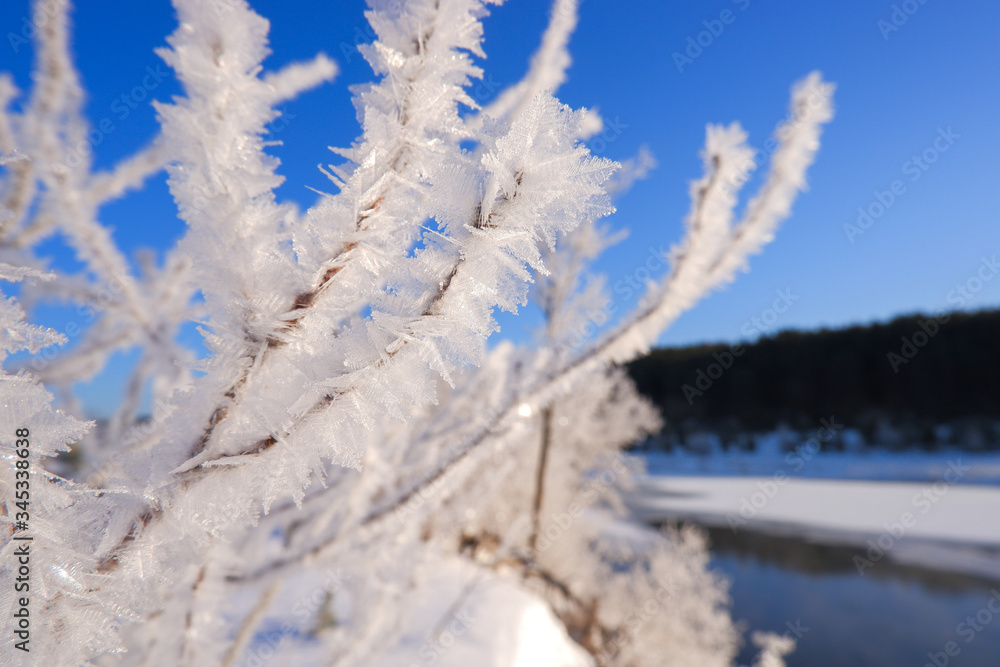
pixel 893 616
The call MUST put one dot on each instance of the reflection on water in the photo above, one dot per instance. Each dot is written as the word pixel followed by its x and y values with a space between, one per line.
pixel 894 615
pixel 789 553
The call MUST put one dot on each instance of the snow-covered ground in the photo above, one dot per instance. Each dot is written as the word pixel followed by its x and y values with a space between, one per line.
pixel 946 515
pixel 456 617
pixel 460 619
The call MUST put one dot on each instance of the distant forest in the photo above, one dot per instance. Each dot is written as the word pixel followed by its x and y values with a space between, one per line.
pixel 920 380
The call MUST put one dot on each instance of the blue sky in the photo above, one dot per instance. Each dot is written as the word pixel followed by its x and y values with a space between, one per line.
pixel 899 91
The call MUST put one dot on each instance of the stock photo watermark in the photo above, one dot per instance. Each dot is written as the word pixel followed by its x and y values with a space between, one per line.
pixel 964 292
pixel 268 644
pixel 959 297
pixel 913 169
pixel 637 619
pixel 44 12
pixel 782 130
pixel 120 109
pixel 434 648
pixel 911 345
pixel 898 17
pixel 968 630
pixel 704 39
pixel 624 289
pixel 796 460
pixel 923 501
pixel 706 377
pixel 592 491
pixel 612 130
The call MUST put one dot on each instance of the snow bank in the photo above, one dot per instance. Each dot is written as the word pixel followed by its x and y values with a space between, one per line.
pixel 941 524
pixel 459 618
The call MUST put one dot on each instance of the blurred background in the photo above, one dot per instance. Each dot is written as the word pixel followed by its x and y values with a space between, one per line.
pixel 845 383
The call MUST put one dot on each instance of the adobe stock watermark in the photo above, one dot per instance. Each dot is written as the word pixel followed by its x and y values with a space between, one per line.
pixel 612 130
pixel 773 645
pixel 43 13
pixel 110 293
pixel 795 630
pixel 965 292
pixel 923 501
pixel 913 168
pixel 714 28
pixel 636 620
pixel 415 503
pixel 782 130
pixel 267 644
pixel 898 17
pixel 282 120
pixel 365 35
pixel 121 108
pixel 755 326
pixel 796 460
pixel 913 343
pixel 436 647
pixel 968 630
pixel 485 89
pixel 592 491
pixel 958 297
pixel 623 290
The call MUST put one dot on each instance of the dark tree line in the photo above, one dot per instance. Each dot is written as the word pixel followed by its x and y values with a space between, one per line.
pixel 915 373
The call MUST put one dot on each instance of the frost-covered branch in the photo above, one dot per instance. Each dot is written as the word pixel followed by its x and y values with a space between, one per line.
pixel 54 189
pixel 349 412
pixel 709 255
pixel 548 68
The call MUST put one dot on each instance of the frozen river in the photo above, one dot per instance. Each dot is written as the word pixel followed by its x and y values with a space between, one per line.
pixel 869 572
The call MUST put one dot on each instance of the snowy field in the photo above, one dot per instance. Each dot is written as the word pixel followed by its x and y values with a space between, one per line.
pixel 940 511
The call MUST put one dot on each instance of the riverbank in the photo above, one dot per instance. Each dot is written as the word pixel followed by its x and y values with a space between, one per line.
pixel 942 524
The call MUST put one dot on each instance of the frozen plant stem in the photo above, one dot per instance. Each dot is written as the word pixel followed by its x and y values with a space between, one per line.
pixel 348 409
pixel 543 454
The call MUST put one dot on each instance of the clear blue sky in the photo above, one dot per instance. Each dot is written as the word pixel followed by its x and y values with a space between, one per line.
pixel 896 90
